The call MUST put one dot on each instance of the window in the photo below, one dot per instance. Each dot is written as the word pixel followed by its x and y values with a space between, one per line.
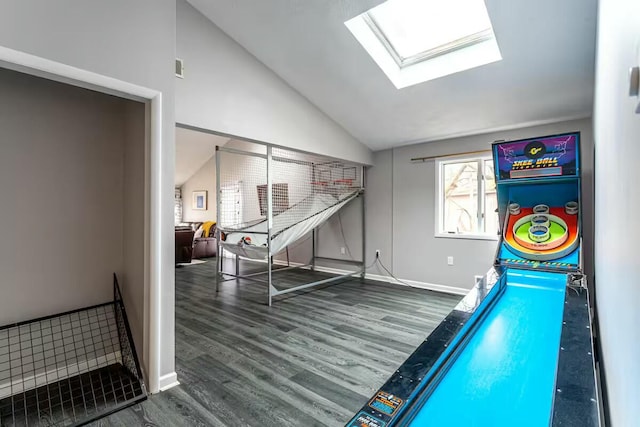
pixel 177 206
pixel 418 40
pixel 467 200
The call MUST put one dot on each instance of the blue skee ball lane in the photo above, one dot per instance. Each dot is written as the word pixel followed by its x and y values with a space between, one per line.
pixel 505 374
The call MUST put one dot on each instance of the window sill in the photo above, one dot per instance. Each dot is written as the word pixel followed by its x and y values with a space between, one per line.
pixel 467 236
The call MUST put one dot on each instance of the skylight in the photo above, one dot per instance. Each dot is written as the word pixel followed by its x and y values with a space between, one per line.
pixel 418 40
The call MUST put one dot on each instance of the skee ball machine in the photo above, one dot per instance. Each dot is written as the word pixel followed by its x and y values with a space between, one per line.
pixel 518 349
pixel 538 188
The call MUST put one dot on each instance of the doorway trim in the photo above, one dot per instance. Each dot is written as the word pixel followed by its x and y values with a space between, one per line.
pixel 56 71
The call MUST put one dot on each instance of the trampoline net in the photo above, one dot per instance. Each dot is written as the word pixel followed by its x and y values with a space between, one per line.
pixel 303 185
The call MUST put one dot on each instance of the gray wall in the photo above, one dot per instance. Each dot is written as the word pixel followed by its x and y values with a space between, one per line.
pixel 380 191
pixel 203 179
pixel 401 210
pixel 400 215
pixel 617 144
pixel 226 89
pixel 61 181
pixel 128 40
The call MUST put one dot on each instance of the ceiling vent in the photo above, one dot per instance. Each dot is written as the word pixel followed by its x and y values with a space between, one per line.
pixel 179 68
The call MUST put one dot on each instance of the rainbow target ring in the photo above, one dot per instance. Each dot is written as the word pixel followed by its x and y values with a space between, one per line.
pixel 540 232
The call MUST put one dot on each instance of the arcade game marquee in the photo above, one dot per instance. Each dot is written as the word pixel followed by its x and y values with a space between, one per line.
pixel 517 350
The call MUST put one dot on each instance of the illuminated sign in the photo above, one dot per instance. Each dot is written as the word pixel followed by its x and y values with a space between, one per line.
pixel 539 157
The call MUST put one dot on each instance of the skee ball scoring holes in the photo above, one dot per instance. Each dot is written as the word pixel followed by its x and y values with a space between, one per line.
pixel 541 209
pixel 571 208
pixel 514 209
pixel 540 220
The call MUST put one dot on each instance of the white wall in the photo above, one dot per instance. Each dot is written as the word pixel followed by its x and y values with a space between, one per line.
pixel 617 144
pixel 226 89
pixel 203 179
pixel 193 149
pixel 401 210
pixel 61 181
pixel 128 40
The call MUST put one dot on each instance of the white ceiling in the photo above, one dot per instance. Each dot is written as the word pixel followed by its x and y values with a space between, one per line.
pixel 193 150
pixel 546 75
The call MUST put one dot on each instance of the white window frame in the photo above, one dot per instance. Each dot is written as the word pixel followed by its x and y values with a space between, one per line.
pixel 445 49
pixel 439 214
pixel 466 53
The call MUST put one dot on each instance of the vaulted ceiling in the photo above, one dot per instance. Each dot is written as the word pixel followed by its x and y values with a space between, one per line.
pixel 193 150
pixel 546 75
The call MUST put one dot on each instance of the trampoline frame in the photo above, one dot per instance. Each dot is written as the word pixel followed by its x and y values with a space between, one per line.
pixel 273 291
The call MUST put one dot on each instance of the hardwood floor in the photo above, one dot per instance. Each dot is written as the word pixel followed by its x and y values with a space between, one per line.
pixel 310 360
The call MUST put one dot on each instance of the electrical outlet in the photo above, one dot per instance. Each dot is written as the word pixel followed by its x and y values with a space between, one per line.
pixel 343 250
pixel 449 260
pixel 377 253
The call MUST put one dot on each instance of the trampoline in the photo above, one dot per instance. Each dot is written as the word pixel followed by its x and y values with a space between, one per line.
pixel 271 197
pixel 287 226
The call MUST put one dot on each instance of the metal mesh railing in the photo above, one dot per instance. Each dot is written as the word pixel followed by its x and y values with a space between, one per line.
pixel 68 368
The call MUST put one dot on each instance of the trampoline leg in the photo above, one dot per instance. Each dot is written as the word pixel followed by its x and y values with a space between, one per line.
pixel 313 250
pixel 269 217
pixel 218 269
pixel 237 265
pixel 364 233
pixel 270 262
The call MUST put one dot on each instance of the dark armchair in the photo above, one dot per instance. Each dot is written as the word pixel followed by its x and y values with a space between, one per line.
pixel 184 245
pixel 202 247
